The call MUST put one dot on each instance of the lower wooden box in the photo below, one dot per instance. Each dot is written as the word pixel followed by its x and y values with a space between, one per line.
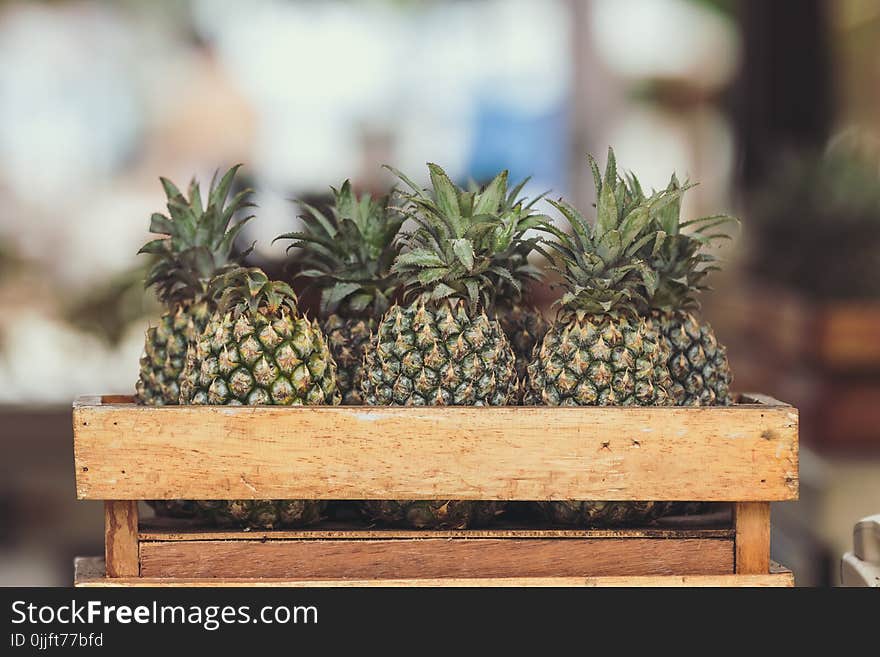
pixel 329 556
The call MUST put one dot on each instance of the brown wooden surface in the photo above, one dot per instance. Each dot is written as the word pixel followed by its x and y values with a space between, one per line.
pixel 121 538
pixel 436 557
pixel 741 452
pixel 752 524
pixel 89 572
pixel 148 533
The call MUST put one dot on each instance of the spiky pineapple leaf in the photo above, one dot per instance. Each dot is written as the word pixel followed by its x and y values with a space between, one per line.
pixel 353 241
pixel 197 242
pixel 469 235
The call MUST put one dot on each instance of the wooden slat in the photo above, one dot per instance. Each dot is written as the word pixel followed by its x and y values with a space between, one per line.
pixel 89 573
pixel 752 523
pixel 741 452
pixel 207 534
pixel 121 538
pixel 434 557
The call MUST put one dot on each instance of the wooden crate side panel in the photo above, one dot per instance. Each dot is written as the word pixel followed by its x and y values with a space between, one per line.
pixel 745 453
pixel 89 573
pixel 435 558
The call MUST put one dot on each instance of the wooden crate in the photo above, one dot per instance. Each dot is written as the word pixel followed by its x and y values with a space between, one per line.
pixel 745 454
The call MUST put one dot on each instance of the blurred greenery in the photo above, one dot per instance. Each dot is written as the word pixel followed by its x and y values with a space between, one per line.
pixel 107 310
pixel 816 223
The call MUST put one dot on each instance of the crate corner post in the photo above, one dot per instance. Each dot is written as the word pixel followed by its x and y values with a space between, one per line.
pixel 752 526
pixel 121 550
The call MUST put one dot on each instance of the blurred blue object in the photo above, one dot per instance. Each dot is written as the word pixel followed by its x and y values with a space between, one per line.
pixel 526 143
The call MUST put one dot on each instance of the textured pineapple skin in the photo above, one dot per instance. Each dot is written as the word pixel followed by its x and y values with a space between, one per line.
pixel 587 360
pixel 603 514
pixel 431 514
pixel 263 514
pixel 443 357
pixel 437 357
pixel 260 359
pixel 176 508
pixel 348 339
pixel 525 327
pixel 697 363
pixel 600 360
pixel 164 356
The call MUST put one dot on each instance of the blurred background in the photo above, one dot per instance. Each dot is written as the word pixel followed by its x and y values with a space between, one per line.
pixel 773 107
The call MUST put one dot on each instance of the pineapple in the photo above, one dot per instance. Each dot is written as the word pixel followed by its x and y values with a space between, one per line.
pixel 522 323
pixel 600 350
pixel 698 364
pixel 257 349
pixel 442 348
pixel 348 255
pixel 197 243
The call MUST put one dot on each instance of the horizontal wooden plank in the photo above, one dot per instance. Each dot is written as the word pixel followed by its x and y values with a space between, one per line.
pixel 744 452
pixel 89 573
pixel 206 534
pixel 437 557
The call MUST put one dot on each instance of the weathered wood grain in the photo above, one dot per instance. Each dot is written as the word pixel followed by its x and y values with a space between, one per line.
pixel 121 538
pixel 752 524
pixel 745 452
pixel 435 558
pixel 89 573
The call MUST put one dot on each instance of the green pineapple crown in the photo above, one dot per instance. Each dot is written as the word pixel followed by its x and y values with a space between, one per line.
pixel 457 249
pixel 349 253
pixel 515 259
pixel 249 289
pixel 679 258
pixel 197 242
pixel 601 264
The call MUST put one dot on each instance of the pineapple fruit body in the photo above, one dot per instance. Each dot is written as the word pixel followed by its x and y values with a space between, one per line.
pixel 600 360
pixel 603 514
pixel 697 363
pixel 260 359
pixel 443 356
pixel 347 338
pixel 432 514
pixel 164 354
pixel 176 508
pixel 525 327
pixel 439 357
pixel 263 514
